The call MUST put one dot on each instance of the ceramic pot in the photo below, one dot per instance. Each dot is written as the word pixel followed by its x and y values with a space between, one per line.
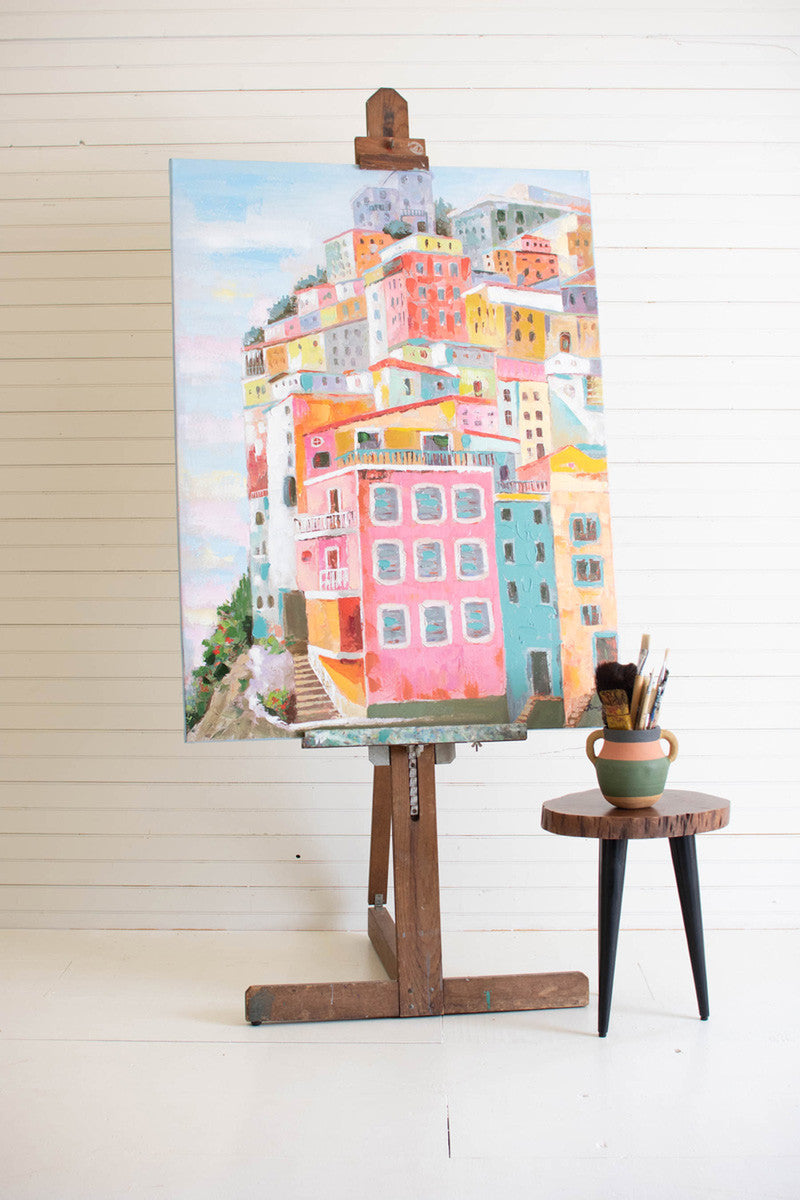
pixel 632 767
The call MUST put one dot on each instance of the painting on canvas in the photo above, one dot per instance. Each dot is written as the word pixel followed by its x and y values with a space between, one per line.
pixel 392 478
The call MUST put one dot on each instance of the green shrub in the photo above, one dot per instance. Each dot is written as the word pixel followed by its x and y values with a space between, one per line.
pixel 232 636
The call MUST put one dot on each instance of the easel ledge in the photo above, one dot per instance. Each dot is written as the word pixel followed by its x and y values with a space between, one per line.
pixel 408 735
pixel 404 816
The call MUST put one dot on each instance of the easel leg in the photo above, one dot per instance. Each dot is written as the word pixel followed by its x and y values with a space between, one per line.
pixel 416 882
pixel 381 830
pixel 380 925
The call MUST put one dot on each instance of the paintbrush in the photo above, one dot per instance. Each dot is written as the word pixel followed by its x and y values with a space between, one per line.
pixel 639 692
pixel 616 713
pixel 644 649
pixel 661 683
pixel 611 676
pixel 659 698
pixel 647 701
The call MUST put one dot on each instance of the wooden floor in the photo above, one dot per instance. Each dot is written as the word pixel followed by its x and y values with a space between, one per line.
pixel 127 1070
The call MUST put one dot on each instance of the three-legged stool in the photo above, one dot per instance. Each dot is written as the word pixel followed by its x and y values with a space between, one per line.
pixel 677 816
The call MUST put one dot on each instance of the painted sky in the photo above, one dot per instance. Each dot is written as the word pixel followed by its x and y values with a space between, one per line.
pixel 242 234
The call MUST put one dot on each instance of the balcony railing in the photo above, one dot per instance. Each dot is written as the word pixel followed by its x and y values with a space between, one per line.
pixel 422 458
pixel 531 486
pixel 333 579
pixel 311 524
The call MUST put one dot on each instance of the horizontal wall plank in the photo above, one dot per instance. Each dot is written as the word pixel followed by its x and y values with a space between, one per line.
pixel 427 104
pixel 325 22
pixel 324 75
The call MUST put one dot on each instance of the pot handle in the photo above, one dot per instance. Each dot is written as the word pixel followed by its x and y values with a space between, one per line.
pixel 673 744
pixel 593 737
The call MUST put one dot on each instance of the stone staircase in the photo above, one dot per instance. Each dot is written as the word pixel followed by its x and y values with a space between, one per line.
pixel 312 699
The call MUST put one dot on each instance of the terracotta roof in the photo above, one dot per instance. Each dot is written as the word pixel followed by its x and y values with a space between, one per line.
pixel 412 366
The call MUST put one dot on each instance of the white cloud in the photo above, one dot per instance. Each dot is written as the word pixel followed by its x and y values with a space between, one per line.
pixel 214 485
pixel 210 429
pixel 261 229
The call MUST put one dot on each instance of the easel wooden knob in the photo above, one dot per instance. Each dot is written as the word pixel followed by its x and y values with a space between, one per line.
pixel 387 144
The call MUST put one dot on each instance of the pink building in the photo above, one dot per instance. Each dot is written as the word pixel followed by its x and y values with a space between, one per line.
pixel 431 610
pixel 401 584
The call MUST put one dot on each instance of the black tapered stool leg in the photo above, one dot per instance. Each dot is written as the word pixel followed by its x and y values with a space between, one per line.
pixel 613 853
pixel 684 860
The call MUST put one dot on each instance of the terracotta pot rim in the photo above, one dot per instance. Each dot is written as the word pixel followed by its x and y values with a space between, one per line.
pixel 632 735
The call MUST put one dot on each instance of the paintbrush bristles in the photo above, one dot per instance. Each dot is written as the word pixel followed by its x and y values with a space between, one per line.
pixel 609 677
pixel 616 713
pixel 614 676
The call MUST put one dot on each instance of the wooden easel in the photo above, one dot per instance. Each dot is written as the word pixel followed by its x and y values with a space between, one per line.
pixel 410 946
pixel 404 816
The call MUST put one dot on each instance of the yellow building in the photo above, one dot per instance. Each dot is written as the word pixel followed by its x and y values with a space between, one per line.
pixel 306 353
pixel 486 321
pixel 535 436
pixel 277 360
pixel 584 579
pixel 525 332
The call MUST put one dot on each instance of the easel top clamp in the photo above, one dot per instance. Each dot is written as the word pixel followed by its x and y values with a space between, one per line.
pixel 404 813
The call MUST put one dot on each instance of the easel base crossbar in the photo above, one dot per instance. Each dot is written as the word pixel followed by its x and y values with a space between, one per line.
pixel 290 1002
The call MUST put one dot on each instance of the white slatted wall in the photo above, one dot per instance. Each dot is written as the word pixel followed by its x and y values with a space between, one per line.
pixel 687 117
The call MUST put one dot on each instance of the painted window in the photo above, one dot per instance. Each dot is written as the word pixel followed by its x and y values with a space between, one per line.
pixel 435 624
pixel 387 562
pixel 544 593
pixel 590 614
pixel 368 439
pixel 468 503
pixel 436 443
pixel 429 560
pixel 505 514
pixel 385 504
pixel 540 551
pixel 323 459
pixel 605 648
pixel 587 570
pixel 290 491
pixel 538 516
pixel 393 625
pixel 471 560
pixel 513 592
pixel 508 552
pixel 584 527
pixel 428 502
pixel 476 620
